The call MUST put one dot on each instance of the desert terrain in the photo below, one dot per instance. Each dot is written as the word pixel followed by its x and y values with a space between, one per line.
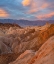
pixel 26 45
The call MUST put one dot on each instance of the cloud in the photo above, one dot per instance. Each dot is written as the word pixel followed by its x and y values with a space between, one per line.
pixel 34 5
pixel 30 8
pixel 26 2
pixel 31 4
pixel 45 16
pixel 45 5
pixel 3 13
pixel 35 8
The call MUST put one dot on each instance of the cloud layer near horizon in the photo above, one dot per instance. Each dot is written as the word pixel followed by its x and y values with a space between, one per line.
pixel 42 8
pixel 27 9
pixel 3 13
pixel 49 15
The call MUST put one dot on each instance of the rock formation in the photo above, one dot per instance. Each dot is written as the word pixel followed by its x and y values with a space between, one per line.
pixel 28 45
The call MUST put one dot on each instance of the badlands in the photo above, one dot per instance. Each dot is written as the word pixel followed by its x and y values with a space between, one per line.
pixel 26 45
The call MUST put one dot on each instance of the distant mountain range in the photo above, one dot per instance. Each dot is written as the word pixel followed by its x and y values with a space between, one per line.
pixel 26 22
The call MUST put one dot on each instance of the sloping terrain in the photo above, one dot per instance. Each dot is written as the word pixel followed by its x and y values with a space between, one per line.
pixel 7 58
pixel 24 57
pixel 8 25
pixel 45 55
pixel 14 41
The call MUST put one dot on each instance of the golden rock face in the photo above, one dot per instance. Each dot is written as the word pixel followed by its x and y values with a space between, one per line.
pixel 16 44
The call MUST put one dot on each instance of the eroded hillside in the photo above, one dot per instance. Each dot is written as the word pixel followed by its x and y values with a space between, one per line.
pixel 23 45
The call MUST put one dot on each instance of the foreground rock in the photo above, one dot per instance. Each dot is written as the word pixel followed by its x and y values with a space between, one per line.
pixel 24 57
pixel 15 41
pixel 7 58
pixel 34 39
pixel 45 55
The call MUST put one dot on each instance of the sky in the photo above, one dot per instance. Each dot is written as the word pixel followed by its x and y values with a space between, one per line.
pixel 27 9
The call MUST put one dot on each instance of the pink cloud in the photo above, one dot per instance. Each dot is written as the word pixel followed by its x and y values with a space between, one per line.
pixel 49 15
pixel 35 8
pixel 26 2
pixel 3 13
pixel 34 5
pixel 45 5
